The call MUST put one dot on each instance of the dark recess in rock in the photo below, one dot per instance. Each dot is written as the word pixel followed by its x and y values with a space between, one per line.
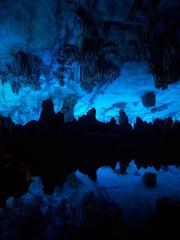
pixel 159 108
pixel 149 179
pixel 100 214
pixel 27 66
pixel 149 99
pixel 165 222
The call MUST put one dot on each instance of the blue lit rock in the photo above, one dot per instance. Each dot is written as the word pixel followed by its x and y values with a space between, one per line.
pixel 68 108
pixel 99 30
pixel 36 186
pixel 24 26
pixel 10 202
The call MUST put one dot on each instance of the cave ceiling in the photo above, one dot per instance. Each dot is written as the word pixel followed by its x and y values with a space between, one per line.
pixel 86 41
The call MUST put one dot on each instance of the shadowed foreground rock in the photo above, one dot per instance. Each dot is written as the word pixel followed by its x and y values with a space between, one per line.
pixel 52 149
pixel 150 180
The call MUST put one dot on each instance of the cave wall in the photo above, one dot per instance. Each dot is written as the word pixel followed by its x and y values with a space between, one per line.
pixel 28 26
pixel 62 48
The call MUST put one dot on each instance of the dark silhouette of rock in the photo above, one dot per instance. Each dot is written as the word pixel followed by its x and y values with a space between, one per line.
pixel 112 122
pixel 123 118
pixel 91 114
pixel 165 222
pixel 47 113
pixel 100 216
pixel 149 179
pixel 53 149
pixel 149 99
pixel 14 177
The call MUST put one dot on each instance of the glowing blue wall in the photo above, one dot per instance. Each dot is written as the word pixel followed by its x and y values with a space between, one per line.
pixel 125 92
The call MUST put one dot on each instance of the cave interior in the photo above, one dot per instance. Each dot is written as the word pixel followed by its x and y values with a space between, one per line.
pixel 89 119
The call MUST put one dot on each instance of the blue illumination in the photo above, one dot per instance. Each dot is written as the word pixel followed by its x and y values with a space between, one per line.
pixel 132 83
pixel 126 92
